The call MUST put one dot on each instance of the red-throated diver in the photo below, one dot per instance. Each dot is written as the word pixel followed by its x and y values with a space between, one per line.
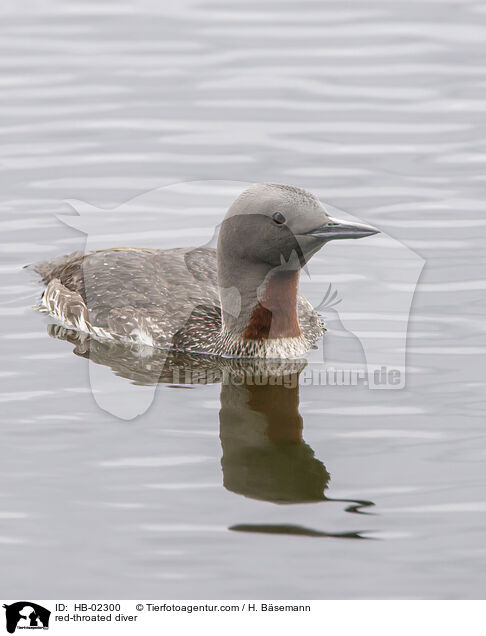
pixel 240 299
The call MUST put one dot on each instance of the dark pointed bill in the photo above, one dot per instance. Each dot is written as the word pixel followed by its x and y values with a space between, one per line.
pixel 336 229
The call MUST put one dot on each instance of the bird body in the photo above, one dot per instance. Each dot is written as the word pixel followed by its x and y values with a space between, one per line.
pixel 239 300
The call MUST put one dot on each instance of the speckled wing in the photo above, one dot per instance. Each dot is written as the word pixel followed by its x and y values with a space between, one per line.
pixel 136 294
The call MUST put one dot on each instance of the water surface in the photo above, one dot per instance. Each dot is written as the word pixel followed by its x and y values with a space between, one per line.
pixel 379 110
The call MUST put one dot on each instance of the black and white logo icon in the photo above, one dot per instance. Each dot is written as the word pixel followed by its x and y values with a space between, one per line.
pixel 26 615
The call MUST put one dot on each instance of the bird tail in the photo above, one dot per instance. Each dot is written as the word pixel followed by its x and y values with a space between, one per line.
pixel 48 270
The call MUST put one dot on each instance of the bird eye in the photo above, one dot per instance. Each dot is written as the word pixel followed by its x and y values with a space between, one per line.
pixel 279 218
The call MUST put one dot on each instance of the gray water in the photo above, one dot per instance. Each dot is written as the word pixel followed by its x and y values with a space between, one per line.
pixel 379 108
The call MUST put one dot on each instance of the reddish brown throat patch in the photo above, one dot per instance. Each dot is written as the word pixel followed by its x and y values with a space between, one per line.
pixel 275 316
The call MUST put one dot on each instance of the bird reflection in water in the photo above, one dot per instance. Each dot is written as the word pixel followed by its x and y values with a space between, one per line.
pixel 264 454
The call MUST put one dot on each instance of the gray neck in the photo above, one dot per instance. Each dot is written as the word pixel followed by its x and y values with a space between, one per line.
pixel 240 286
pixel 259 303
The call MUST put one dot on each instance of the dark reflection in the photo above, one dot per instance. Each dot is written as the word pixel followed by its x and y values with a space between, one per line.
pixel 294 530
pixel 264 454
